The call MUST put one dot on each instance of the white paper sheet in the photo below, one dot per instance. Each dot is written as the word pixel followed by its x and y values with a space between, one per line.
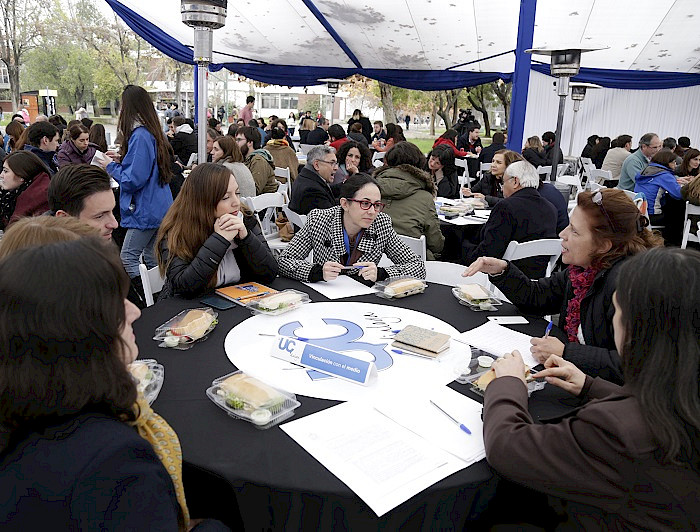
pixel 498 340
pixel 417 414
pixel 384 463
pixel 341 287
pixel 462 220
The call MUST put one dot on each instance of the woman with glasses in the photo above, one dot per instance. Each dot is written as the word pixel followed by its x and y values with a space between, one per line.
pixel 604 229
pixel 629 458
pixel 350 239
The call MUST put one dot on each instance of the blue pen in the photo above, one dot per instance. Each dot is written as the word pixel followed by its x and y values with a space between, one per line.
pixel 404 352
pixel 548 329
pixel 461 426
pixel 353 267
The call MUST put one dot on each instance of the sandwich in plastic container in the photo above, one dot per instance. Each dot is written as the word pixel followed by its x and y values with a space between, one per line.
pixel 476 297
pixel 244 397
pixel 279 302
pixel 149 377
pixel 398 287
pixel 186 328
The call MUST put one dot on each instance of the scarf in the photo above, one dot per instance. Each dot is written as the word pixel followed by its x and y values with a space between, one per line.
pixel 162 437
pixel 8 202
pixel 581 281
pixel 278 142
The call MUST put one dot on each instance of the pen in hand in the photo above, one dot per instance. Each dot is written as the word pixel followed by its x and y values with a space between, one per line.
pixel 461 426
pixel 548 329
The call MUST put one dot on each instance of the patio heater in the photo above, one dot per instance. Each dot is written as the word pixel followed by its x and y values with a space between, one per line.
pixel 578 93
pixel 565 63
pixel 204 16
pixel 333 88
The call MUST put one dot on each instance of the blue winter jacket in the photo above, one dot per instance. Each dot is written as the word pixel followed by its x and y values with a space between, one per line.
pixel 143 202
pixel 654 181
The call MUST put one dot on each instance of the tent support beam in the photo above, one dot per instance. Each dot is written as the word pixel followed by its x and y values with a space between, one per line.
pixel 521 75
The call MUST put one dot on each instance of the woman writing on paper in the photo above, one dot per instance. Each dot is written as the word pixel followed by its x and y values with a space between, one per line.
pixel 207 239
pixel 604 229
pixel 629 459
pixel 351 239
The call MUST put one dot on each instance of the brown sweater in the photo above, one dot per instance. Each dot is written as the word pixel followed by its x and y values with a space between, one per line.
pixel 284 157
pixel 600 459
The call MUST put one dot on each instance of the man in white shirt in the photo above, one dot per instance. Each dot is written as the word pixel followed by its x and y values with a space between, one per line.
pixel 649 145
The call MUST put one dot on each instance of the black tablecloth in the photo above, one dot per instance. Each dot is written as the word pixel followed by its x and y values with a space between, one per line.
pixel 275 482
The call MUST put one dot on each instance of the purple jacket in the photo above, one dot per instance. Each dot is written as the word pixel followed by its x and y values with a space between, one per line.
pixel 68 153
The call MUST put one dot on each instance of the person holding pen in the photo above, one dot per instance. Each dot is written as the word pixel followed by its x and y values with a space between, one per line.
pixel 350 239
pixel 604 230
pixel 629 458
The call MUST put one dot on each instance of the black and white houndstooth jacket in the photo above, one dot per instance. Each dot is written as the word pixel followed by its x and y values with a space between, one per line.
pixel 323 234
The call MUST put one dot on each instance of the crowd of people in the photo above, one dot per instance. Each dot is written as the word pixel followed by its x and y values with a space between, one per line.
pixel 626 348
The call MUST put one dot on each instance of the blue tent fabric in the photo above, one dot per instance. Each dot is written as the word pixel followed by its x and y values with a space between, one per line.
pixel 521 77
pixel 631 79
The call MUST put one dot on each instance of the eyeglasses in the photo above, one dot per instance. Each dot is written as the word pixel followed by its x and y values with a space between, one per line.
pixel 332 163
pixel 365 205
pixel 598 200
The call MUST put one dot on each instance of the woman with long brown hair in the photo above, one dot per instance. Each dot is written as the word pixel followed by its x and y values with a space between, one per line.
pixel 604 229
pixel 690 166
pixel 142 169
pixel 77 148
pixel 13 131
pixel 207 239
pixel 24 184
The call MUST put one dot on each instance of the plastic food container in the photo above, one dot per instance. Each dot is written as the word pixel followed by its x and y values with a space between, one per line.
pixel 488 303
pixel 398 287
pixel 279 302
pixel 261 416
pixel 187 327
pixel 149 377
pixel 477 370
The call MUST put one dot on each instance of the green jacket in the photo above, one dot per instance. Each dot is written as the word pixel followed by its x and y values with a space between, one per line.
pixel 409 194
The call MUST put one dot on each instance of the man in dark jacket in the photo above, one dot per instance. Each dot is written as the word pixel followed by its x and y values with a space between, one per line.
pixel 523 215
pixel 319 135
pixel 498 143
pixel 183 140
pixel 42 138
pixel 312 188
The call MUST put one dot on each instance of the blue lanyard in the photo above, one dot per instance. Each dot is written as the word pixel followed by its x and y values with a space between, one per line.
pixel 346 239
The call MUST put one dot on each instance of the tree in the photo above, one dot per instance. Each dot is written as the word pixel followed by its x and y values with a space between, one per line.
pixel 480 97
pixel 387 98
pixel 18 34
pixel 447 106
pixel 503 92
pixel 67 68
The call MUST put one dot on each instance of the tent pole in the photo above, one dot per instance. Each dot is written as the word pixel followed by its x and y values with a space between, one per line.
pixel 560 122
pixel 521 74
pixel 202 113
pixel 577 104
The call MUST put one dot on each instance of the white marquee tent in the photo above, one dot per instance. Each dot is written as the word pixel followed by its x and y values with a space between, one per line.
pixel 650 68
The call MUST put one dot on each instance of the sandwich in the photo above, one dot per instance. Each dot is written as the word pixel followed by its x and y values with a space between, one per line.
pixel 194 325
pixel 243 392
pixel 404 287
pixel 279 301
pixel 474 293
pixel 141 372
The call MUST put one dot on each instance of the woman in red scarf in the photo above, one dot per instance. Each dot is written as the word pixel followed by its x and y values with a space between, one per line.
pixel 605 228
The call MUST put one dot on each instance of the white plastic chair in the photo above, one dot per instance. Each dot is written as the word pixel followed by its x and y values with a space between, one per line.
pixel 266 204
pixel 306 148
pixel 484 167
pixel 574 183
pixel 152 282
pixel 417 245
pixel 378 158
pixel 550 247
pixel 297 219
pixel 687 235
pixel 545 171
pixel 286 186
pixel 599 176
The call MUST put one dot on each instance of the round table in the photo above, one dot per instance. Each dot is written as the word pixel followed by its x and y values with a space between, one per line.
pixel 232 467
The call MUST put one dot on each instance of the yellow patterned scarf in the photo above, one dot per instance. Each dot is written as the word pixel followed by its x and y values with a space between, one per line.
pixel 162 437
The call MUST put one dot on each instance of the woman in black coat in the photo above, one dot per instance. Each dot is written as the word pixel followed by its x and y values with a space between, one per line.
pixel 441 165
pixel 598 239
pixel 533 152
pixel 207 239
